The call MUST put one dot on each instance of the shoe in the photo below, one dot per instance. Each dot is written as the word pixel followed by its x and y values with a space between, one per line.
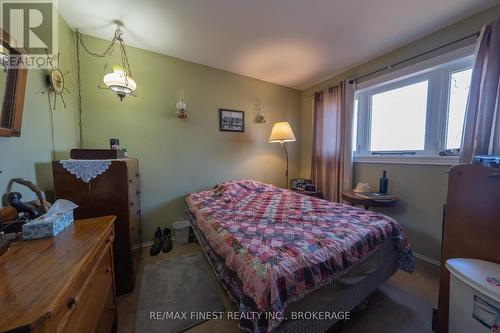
pixel 167 240
pixel 157 243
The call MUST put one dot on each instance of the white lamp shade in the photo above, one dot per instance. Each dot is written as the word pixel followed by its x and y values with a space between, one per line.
pixel 282 132
pixel 119 82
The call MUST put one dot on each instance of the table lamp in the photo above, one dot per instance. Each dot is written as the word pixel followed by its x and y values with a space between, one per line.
pixel 282 132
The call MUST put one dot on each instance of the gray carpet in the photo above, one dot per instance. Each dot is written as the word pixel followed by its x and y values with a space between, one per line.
pixel 392 308
pixel 172 289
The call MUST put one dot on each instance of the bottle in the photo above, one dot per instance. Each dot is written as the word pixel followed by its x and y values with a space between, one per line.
pixel 384 183
pixel 114 144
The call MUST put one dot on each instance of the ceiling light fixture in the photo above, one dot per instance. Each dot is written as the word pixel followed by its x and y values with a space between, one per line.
pixel 115 77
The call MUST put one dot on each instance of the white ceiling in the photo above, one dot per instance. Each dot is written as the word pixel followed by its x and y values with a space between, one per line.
pixel 295 43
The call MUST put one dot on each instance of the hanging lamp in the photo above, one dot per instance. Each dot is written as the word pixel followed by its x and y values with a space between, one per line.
pixel 115 77
pixel 118 77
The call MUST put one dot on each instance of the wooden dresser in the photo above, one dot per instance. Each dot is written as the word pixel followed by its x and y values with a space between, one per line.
pixel 114 192
pixel 60 284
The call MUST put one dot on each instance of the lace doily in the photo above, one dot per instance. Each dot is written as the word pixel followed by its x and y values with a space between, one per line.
pixel 86 170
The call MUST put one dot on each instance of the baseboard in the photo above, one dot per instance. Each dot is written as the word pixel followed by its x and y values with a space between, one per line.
pixel 149 243
pixel 427 259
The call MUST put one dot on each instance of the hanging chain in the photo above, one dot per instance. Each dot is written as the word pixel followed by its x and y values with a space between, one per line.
pixel 98 55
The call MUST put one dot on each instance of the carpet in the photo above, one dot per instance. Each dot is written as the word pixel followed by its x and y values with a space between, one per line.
pixel 176 294
pixel 391 309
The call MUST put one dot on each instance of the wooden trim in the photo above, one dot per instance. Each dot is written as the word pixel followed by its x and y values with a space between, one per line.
pixel 13 105
pixel 18 103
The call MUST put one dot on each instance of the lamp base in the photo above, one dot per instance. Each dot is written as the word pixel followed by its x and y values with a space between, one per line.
pixel 287 185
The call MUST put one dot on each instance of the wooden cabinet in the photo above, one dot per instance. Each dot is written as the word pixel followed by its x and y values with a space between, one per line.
pixel 60 284
pixel 471 225
pixel 114 192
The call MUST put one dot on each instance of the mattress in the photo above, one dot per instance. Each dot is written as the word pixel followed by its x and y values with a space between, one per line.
pixel 272 247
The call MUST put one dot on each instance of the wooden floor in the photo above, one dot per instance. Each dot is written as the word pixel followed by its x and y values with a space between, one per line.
pixel 411 298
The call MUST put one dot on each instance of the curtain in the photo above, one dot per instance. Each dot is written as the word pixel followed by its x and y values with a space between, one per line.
pixel 482 121
pixel 331 164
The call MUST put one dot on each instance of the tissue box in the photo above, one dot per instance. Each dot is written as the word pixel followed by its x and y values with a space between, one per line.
pixel 42 227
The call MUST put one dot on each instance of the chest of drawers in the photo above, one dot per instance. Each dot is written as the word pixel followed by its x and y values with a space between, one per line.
pixel 114 192
pixel 60 284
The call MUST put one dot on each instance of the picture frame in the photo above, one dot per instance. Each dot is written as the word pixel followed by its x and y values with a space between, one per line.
pixel 231 120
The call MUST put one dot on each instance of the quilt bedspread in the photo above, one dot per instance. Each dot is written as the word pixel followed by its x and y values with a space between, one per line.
pixel 283 245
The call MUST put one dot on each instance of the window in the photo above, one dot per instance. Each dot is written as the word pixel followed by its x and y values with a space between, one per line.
pixel 459 91
pixel 355 125
pixel 398 118
pixel 414 115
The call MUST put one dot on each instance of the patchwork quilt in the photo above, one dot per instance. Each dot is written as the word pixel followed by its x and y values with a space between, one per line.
pixel 282 245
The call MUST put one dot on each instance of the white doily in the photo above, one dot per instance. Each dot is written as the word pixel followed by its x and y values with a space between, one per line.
pixel 86 170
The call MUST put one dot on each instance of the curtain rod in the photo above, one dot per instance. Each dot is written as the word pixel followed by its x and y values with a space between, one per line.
pixel 351 81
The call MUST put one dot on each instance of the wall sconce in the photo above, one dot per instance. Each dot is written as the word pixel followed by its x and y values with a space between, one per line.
pixel 259 117
pixel 181 108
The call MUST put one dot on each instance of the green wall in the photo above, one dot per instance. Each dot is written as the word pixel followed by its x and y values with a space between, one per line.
pixel 30 155
pixel 422 188
pixel 178 156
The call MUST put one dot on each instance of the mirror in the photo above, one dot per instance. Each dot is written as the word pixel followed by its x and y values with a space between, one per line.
pixel 12 89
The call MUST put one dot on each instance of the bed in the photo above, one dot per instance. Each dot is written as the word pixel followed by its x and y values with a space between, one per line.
pixel 281 255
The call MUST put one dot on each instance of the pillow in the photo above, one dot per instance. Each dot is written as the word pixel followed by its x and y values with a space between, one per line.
pixel 253 185
pixel 237 188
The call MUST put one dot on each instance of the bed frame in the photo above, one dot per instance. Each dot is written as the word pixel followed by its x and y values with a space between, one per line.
pixel 347 298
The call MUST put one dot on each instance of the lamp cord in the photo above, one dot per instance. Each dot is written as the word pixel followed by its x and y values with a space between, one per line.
pixel 80 41
pixel 79 96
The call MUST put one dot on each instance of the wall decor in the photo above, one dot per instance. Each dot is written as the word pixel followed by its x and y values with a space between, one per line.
pixel 231 120
pixel 13 83
pixel 260 117
pixel 55 83
pixel 182 108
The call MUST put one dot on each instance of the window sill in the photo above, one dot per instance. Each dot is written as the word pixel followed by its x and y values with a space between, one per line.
pixel 426 160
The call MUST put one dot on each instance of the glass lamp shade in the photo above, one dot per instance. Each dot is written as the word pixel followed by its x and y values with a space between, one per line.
pixel 119 82
pixel 282 132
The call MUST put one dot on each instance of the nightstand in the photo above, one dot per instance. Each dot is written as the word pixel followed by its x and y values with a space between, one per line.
pixel 367 202
pixel 318 195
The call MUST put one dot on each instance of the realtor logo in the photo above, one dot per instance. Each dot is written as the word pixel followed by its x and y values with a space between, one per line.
pixel 32 27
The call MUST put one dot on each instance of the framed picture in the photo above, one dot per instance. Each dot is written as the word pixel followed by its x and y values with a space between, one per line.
pixel 231 120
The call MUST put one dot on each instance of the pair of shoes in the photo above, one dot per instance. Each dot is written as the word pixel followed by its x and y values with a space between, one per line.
pixel 161 241
pixel 167 240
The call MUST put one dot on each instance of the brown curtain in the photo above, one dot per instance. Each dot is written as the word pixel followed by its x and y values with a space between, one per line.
pixel 482 121
pixel 331 165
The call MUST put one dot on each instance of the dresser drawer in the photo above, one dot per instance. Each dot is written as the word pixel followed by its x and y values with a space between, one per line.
pixel 107 317
pixel 85 302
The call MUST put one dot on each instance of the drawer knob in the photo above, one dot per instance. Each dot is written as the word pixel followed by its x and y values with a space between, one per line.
pixel 110 239
pixel 72 303
pixel 107 270
pixel 131 204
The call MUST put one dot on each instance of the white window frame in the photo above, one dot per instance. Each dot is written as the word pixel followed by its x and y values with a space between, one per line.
pixel 437 71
